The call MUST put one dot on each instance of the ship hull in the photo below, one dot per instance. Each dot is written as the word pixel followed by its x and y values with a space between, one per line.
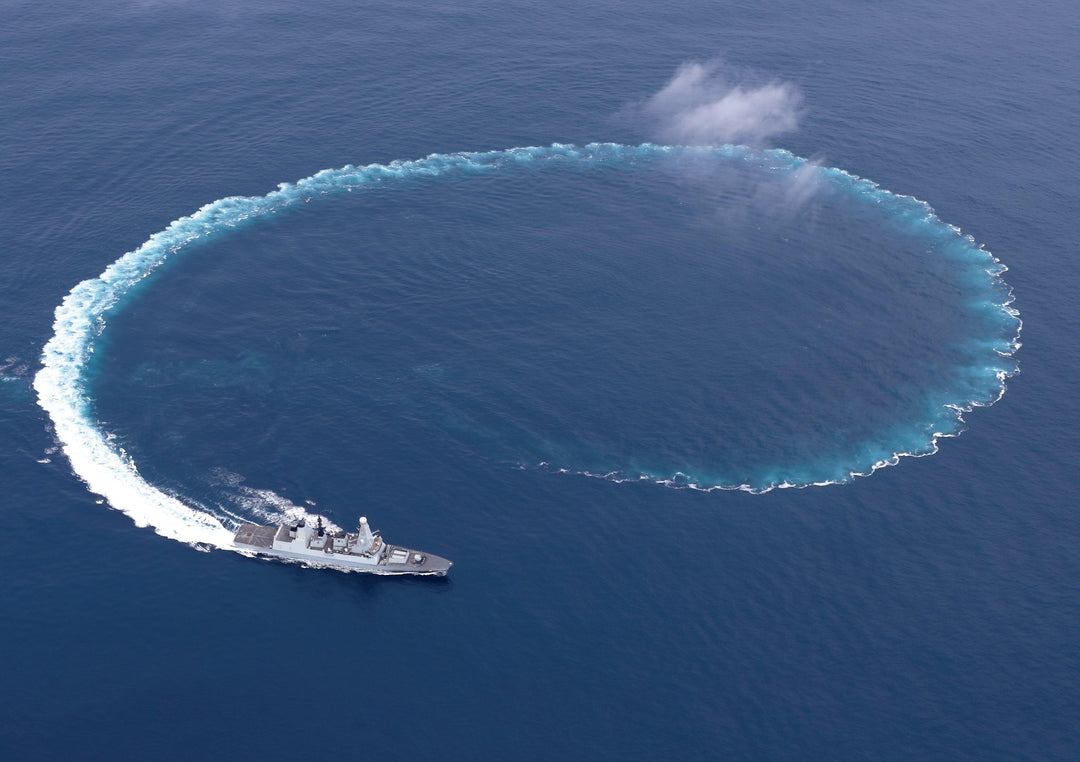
pixel 433 566
pixel 392 560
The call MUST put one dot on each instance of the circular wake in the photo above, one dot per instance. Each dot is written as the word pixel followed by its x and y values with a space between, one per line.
pixel 63 388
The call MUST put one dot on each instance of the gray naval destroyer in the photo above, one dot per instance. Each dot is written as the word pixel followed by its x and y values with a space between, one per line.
pixel 360 551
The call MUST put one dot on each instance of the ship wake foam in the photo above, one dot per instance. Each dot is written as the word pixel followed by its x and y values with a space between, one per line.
pixel 246 503
pixel 63 388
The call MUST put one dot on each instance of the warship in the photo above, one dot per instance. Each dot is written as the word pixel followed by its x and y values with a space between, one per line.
pixel 359 551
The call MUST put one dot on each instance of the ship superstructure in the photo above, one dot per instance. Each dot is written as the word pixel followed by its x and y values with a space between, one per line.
pixel 362 550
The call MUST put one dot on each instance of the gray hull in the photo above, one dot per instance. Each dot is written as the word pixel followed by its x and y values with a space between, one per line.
pixel 363 552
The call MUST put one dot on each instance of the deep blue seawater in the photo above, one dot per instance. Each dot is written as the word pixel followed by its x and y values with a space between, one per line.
pixel 524 361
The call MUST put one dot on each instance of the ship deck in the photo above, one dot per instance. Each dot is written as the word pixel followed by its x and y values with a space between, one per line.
pixel 255 535
pixel 398 560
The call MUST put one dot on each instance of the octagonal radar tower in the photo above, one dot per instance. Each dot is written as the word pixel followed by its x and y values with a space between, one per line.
pixel 365 538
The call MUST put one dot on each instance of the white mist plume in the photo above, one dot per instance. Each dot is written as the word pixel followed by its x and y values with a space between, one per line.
pixel 701 106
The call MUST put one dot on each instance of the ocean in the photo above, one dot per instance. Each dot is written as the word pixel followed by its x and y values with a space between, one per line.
pixel 724 349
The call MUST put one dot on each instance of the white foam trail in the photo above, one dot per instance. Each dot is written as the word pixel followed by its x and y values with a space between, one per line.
pixel 63 391
pixel 61 383
pixel 105 471
pixel 264 504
